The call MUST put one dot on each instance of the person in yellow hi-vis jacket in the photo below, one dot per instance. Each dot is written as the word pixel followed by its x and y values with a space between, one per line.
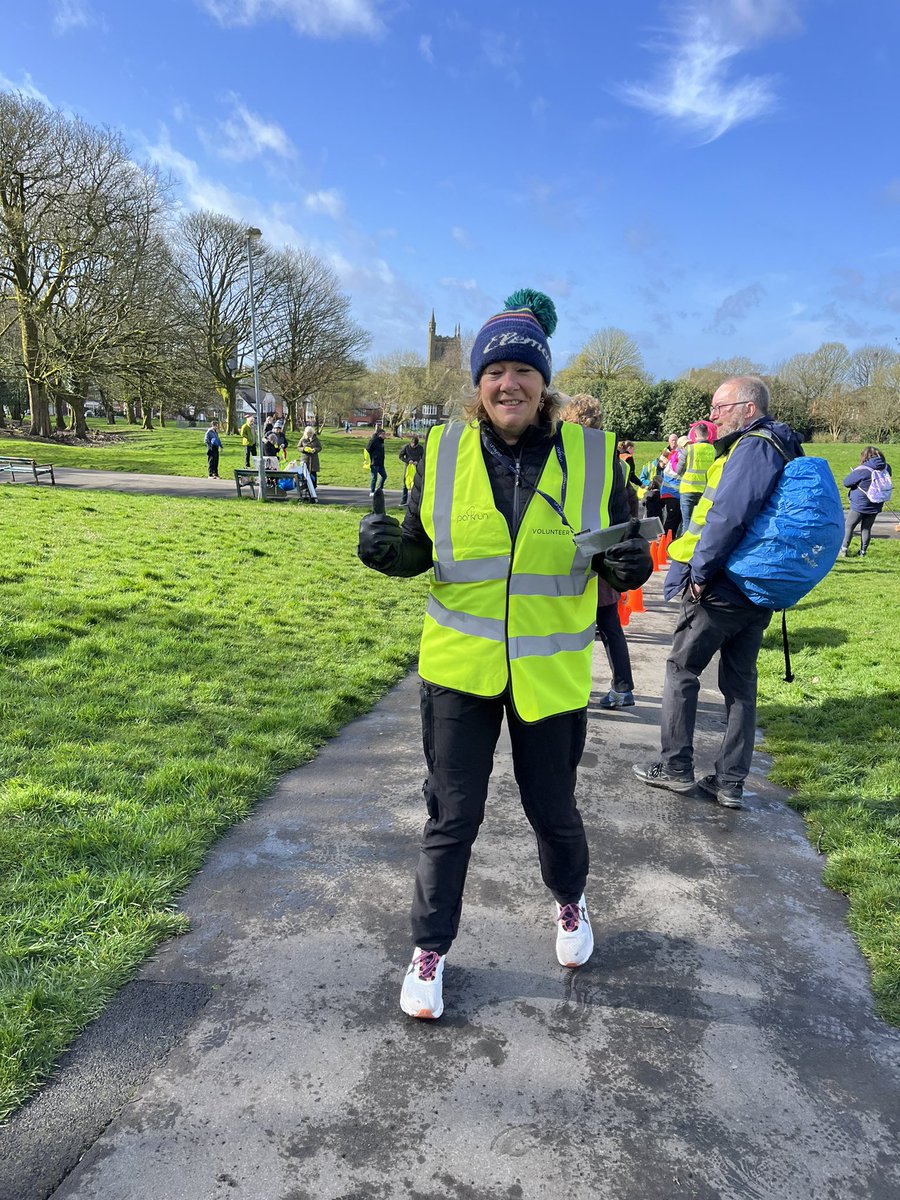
pixel 509 625
pixel 410 456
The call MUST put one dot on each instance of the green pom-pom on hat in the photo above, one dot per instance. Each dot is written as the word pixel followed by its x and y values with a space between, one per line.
pixel 542 306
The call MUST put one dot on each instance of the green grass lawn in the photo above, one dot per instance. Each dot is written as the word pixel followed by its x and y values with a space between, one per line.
pixel 136 723
pixel 175 451
pixel 834 734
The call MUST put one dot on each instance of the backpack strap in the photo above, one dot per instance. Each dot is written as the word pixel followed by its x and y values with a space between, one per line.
pixel 788 673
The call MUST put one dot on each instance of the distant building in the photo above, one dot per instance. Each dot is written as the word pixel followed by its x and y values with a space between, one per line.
pixel 444 353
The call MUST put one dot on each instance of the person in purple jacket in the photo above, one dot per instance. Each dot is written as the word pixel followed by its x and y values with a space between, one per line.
pixel 863 510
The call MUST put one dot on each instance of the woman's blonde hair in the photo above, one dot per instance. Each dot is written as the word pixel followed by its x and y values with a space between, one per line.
pixel 583 409
pixel 549 411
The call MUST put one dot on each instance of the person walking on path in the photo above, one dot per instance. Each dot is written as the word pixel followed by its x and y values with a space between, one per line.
pixel 509 626
pixel 213 446
pixel 715 614
pixel 248 438
pixel 698 458
pixel 311 447
pixel 870 487
pixel 375 450
pixel 410 456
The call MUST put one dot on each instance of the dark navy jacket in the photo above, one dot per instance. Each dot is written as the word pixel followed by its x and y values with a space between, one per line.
pixel 859 501
pixel 747 482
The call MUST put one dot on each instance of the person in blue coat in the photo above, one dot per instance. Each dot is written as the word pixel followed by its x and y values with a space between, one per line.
pixel 213 446
pixel 863 510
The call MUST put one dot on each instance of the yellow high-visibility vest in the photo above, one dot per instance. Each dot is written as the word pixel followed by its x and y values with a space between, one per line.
pixel 700 457
pixel 503 613
pixel 683 547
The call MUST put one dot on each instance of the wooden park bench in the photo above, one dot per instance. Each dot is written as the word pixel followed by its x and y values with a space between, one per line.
pixel 248 479
pixel 25 468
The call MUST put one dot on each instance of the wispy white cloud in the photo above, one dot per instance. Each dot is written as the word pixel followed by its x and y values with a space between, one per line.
pixel 891 192
pixel 328 201
pixel 697 87
pixel 425 47
pixel 461 237
pixel 244 135
pixel 502 53
pixel 313 18
pixel 26 87
pixel 72 14
pixel 736 307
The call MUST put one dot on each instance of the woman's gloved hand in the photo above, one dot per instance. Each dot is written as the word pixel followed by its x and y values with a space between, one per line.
pixel 628 564
pixel 379 536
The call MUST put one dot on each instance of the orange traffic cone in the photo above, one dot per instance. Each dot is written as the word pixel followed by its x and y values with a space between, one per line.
pixel 654 555
pixel 635 601
pixel 661 552
pixel 624 615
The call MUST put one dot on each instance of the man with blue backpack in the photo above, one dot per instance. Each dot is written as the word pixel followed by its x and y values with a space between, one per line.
pixel 730 594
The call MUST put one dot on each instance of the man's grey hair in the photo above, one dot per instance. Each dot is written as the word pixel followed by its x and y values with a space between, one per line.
pixel 750 389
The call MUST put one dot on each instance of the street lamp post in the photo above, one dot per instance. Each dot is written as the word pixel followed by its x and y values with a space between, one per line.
pixel 253 235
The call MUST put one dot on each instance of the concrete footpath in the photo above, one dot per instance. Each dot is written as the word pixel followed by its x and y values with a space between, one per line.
pixel 189 485
pixel 720 1044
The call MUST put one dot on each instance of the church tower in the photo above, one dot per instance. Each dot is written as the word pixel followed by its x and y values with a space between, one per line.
pixel 443 351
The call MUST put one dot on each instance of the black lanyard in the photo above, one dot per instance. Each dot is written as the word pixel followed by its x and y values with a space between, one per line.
pixel 561 457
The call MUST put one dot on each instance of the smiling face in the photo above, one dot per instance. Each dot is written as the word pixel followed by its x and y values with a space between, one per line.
pixel 511 395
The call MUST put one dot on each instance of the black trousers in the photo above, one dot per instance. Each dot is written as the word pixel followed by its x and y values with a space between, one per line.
pixel 736 632
pixel 865 521
pixel 609 627
pixel 459 734
pixel 248 450
pixel 212 460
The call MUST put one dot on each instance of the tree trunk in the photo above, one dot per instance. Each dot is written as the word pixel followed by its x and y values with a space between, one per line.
pixel 78 424
pixel 107 404
pixel 60 406
pixel 130 415
pixel 147 422
pixel 228 392
pixel 38 404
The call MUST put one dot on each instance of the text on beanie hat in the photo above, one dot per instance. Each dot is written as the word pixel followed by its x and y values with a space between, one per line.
pixel 518 334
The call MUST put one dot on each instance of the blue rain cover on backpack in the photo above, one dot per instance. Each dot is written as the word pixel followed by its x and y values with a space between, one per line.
pixel 794 540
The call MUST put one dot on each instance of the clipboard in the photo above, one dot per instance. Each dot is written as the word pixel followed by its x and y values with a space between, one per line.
pixel 595 541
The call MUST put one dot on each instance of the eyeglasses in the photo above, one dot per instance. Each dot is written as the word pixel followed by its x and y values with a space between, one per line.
pixel 718 407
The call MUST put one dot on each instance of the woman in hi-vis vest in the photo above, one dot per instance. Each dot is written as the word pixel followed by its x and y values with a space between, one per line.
pixel 509 625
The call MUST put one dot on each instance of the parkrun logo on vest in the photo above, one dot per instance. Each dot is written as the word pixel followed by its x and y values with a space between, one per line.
pixel 472 514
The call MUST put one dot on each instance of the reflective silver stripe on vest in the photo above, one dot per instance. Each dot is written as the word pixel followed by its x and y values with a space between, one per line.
pixel 484 627
pixel 710 495
pixel 594 476
pixel 478 570
pixel 550 585
pixel 554 643
pixel 443 490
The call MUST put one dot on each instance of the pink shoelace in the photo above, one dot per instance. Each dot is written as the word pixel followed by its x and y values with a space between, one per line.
pixel 427 962
pixel 569 917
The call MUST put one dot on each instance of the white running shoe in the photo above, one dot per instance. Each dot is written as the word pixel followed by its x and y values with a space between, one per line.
pixel 574 936
pixel 422 992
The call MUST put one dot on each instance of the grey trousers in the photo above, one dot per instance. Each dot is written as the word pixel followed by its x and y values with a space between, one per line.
pixel 736 632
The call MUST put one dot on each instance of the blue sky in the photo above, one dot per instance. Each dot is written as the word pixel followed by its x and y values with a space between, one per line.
pixel 718 178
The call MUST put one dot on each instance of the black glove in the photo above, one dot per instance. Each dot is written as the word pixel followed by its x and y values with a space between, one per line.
pixel 628 564
pixel 379 540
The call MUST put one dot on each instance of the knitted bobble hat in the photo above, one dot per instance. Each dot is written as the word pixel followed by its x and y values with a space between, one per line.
pixel 518 334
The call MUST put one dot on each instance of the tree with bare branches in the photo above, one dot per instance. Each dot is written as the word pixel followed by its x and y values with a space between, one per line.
pixel 315 343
